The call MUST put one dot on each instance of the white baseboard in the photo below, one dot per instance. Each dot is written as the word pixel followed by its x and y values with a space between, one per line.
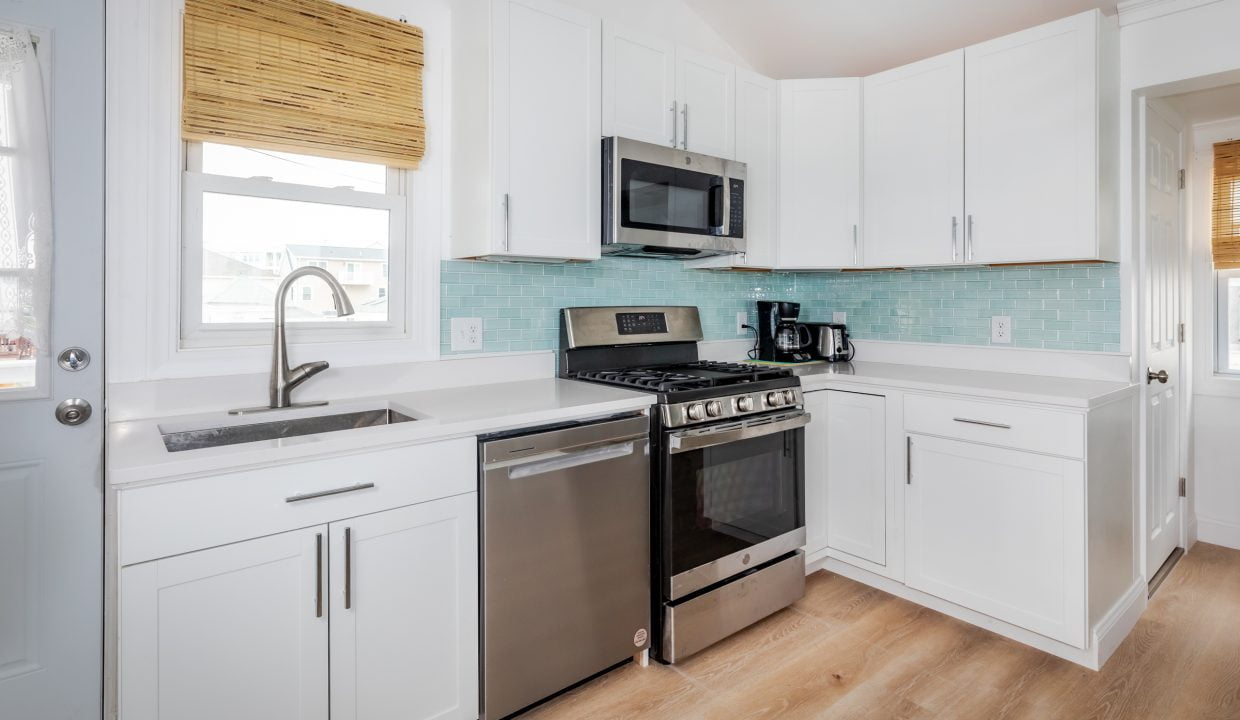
pixel 1107 634
pixel 1218 532
pixel 1119 621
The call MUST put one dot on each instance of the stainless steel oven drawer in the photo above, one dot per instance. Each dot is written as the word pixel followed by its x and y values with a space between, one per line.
pixel 697 623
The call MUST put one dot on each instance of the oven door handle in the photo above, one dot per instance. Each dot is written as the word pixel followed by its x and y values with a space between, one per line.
pixel 687 442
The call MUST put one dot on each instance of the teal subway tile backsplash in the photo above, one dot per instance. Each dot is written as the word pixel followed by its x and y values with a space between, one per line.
pixel 1062 307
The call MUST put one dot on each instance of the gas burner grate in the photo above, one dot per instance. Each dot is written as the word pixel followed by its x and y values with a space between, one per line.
pixel 689 376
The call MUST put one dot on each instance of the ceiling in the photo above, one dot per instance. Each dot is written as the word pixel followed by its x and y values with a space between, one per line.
pixel 844 38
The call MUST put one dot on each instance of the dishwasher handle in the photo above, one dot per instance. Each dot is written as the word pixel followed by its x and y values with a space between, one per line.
pixel 558 460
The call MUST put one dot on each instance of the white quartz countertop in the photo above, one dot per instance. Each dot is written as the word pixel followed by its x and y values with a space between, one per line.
pixel 1068 392
pixel 136 453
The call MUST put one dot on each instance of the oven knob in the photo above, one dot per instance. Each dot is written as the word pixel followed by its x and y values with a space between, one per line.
pixel 696 411
pixel 714 408
pixel 744 404
pixel 789 397
pixel 775 399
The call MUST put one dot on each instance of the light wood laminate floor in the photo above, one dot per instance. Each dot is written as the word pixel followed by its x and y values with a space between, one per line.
pixel 849 651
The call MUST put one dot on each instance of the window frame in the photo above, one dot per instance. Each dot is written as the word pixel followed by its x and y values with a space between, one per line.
pixel 1222 352
pixel 195 334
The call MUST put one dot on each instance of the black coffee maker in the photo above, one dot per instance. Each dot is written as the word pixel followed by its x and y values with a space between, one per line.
pixel 780 337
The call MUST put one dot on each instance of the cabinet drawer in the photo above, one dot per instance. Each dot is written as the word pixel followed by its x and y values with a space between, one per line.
pixel 161 520
pixel 1026 428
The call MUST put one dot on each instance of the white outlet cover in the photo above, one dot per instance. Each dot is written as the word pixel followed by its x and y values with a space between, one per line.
pixel 466 334
pixel 742 319
pixel 1001 329
pixel 839 318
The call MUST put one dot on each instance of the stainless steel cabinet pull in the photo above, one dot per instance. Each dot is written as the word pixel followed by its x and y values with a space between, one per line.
pixel 856 250
pixel 908 459
pixel 986 423
pixel 968 240
pixel 507 224
pixel 348 568
pixel 326 493
pixel 675 135
pixel 684 113
pixel 955 223
pixel 318 575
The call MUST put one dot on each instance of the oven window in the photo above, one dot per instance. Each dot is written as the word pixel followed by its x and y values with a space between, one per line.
pixel 658 197
pixel 730 497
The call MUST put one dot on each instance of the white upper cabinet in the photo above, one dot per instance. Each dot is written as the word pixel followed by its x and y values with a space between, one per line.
pixel 757 136
pixel 639 86
pixel 914 163
pixel 536 193
pixel 706 90
pixel 657 92
pixel 1035 183
pixel 819 173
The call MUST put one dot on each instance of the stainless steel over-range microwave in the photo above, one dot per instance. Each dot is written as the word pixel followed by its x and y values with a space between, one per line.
pixel 664 202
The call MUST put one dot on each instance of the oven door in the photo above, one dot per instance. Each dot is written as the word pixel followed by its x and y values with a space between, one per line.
pixel 732 498
pixel 671 199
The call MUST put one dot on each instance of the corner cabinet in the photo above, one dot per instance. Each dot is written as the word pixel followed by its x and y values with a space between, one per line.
pixel 361 603
pixel 820 173
pixel 526 134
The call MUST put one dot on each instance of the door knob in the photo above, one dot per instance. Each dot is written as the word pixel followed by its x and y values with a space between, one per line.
pixel 73 411
pixel 1150 376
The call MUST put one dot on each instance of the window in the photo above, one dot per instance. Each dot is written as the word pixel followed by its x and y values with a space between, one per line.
pixel 252 216
pixel 1225 248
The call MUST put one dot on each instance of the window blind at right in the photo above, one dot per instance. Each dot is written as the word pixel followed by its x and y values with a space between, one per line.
pixel 1226 206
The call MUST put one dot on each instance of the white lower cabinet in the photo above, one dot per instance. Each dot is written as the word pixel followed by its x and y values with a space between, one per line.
pixel 404 613
pixel 1000 531
pixel 845 467
pixel 244 631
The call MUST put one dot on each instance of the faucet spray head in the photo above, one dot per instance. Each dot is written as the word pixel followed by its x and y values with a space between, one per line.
pixel 342 303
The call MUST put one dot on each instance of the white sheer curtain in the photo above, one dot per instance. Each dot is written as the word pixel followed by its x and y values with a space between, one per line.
pixel 25 203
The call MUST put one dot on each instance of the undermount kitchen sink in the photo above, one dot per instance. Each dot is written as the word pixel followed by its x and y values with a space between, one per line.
pixel 196 439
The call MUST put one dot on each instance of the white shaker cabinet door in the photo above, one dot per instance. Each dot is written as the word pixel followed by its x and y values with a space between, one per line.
pixel 238 631
pixel 913 192
pixel 820 173
pixel 705 88
pixel 856 430
pixel 999 531
pixel 816 458
pixel 546 130
pixel 639 86
pixel 1031 139
pixel 404 609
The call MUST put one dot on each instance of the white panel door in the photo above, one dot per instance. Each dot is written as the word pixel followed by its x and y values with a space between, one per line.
pixel 546 108
pixel 404 608
pixel 1161 315
pixel 816 458
pixel 51 475
pixel 1031 144
pixel 913 191
pixel 639 86
pixel 757 134
pixel 819 173
pixel 857 475
pixel 999 531
pixel 705 88
pixel 238 631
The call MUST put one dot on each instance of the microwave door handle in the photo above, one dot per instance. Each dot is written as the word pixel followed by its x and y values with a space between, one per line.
pixel 689 441
pixel 727 207
pixel 718 220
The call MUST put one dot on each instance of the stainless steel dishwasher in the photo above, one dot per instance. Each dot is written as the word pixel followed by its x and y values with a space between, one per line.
pixel 565 557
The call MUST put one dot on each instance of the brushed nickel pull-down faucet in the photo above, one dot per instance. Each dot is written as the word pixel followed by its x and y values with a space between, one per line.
pixel 283 378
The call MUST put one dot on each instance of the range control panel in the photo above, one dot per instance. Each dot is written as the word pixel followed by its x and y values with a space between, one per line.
pixel 628 323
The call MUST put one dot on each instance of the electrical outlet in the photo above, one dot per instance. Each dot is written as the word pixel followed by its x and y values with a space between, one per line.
pixel 839 318
pixel 466 334
pixel 1001 329
pixel 742 319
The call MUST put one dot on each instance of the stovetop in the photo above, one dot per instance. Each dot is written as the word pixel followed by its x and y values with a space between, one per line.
pixel 677 378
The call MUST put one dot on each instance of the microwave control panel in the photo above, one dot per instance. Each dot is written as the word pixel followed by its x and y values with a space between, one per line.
pixel 736 220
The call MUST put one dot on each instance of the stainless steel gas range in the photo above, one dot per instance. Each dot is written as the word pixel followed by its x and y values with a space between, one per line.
pixel 728 466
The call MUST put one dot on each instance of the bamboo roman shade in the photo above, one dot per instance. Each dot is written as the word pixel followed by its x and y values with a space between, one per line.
pixel 1226 209
pixel 307 76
